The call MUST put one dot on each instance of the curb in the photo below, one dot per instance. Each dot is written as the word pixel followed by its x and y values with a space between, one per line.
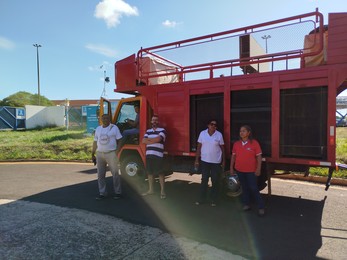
pixel 284 176
pixel 314 179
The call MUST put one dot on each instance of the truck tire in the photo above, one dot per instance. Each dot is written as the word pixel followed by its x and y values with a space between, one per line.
pixel 132 166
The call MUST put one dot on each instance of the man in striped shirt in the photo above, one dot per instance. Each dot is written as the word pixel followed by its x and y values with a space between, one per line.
pixel 154 139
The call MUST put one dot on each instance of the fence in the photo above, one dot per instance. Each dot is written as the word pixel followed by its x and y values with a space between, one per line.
pixel 12 118
pixel 75 117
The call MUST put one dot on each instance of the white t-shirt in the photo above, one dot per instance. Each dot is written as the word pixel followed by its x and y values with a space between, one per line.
pixel 211 151
pixel 106 138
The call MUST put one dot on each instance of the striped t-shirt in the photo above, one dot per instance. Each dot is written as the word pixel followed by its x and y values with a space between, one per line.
pixel 156 149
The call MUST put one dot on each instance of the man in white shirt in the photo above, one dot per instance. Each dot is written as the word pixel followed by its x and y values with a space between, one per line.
pixel 211 149
pixel 105 143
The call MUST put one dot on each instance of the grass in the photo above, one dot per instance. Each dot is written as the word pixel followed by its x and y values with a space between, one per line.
pixel 341 144
pixel 341 155
pixel 56 143
pixel 45 144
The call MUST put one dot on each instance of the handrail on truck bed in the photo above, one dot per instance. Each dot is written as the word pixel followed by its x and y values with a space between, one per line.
pixel 176 68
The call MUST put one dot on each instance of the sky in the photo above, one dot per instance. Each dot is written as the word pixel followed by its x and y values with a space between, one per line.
pixel 82 39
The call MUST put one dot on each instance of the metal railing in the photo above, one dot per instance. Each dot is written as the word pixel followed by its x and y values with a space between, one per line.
pixel 188 59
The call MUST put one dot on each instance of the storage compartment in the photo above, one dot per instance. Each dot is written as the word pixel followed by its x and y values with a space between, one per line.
pixel 202 109
pixel 303 125
pixel 253 108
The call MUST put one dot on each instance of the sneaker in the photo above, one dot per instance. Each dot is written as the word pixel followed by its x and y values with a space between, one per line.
pixel 261 212
pixel 117 196
pixel 213 204
pixel 246 208
pixel 100 197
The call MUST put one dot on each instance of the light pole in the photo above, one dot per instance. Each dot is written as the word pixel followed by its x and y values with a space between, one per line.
pixel 104 91
pixel 106 80
pixel 67 104
pixel 38 69
pixel 266 37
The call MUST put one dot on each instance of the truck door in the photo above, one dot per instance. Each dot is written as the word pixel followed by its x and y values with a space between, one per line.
pixel 132 151
pixel 104 108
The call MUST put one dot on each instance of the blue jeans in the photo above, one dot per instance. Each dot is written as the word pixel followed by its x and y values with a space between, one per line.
pixel 249 186
pixel 208 170
pixel 126 133
pixel 131 131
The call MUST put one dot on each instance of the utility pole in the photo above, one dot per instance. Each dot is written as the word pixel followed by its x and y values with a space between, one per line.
pixel 67 103
pixel 38 70
pixel 266 37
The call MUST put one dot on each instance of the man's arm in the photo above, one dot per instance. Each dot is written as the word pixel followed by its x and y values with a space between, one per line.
pixel 131 122
pixel 197 154
pixel 95 146
pixel 223 156
pixel 232 163
pixel 147 140
pixel 258 170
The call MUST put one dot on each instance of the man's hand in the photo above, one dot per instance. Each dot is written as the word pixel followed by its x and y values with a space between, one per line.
pixel 152 140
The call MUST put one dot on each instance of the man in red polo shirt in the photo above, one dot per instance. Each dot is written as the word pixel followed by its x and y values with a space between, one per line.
pixel 246 160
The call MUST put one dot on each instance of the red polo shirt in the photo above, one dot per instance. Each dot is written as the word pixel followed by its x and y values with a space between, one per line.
pixel 246 154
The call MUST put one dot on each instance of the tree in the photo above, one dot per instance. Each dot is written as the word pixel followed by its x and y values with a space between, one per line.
pixel 22 98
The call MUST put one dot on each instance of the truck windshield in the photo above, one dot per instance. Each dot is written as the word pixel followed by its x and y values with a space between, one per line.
pixel 127 111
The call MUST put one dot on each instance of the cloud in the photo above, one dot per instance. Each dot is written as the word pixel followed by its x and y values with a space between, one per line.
pixel 102 49
pixel 6 44
pixel 112 11
pixel 170 24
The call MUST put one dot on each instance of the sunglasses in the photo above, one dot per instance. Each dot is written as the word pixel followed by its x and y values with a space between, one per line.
pixel 213 124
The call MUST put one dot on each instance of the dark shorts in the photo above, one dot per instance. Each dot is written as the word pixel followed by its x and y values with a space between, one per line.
pixel 154 165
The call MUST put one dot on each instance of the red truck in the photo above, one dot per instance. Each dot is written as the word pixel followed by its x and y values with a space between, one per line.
pixel 280 77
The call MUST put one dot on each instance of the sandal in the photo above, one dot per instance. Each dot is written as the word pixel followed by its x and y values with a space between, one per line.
pixel 147 193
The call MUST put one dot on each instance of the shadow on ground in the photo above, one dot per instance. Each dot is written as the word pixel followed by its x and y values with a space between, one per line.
pixel 290 229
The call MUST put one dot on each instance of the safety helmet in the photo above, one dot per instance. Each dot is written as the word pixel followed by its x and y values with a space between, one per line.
pixel 233 185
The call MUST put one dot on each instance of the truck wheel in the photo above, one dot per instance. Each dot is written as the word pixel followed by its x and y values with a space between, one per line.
pixel 132 166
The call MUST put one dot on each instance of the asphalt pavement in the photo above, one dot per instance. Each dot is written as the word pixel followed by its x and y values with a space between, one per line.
pixel 49 211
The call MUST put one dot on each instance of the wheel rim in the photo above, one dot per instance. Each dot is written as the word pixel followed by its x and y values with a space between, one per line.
pixel 131 169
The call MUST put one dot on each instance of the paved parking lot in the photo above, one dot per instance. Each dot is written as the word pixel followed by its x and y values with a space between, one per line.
pixel 49 211
pixel 31 227
pixel 31 230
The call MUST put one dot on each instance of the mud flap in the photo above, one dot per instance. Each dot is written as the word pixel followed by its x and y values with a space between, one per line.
pixel 262 179
pixel 330 175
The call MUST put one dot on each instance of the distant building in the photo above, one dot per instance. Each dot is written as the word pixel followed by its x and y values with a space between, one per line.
pixel 76 103
pixel 341 102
